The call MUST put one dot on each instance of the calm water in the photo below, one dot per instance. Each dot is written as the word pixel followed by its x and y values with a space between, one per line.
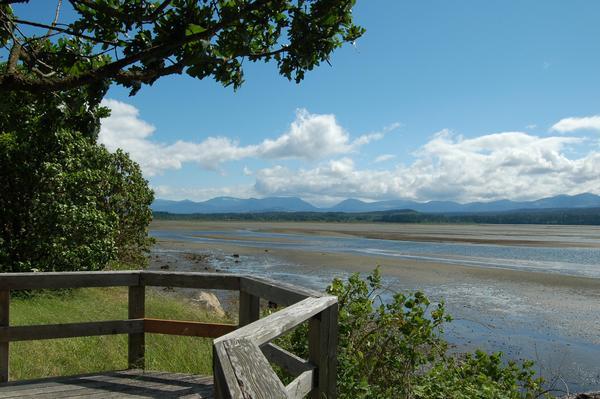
pixel 571 261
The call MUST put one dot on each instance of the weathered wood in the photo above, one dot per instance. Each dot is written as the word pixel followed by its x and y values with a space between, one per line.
pixel 214 281
pixel 288 361
pixel 54 280
pixel 249 309
pixel 187 328
pixel 112 385
pixel 276 324
pixel 137 341
pixel 322 347
pixel 280 293
pixel 226 385
pixel 70 330
pixel 4 322
pixel 254 375
pixel 301 386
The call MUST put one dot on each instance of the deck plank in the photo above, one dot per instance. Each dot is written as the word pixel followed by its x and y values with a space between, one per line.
pixel 119 384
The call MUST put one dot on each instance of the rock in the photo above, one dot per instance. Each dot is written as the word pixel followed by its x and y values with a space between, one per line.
pixel 236 255
pixel 210 302
pixel 164 267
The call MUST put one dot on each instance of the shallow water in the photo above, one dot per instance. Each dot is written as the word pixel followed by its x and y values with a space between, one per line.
pixel 559 330
pixel 569 261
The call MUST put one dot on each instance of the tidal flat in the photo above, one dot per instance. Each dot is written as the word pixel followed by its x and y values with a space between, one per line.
pixel 532 292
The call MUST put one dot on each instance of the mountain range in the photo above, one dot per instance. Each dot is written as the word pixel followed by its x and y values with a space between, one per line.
pixel 294 204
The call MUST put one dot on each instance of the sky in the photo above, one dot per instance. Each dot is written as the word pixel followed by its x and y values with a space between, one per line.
pixel 439 100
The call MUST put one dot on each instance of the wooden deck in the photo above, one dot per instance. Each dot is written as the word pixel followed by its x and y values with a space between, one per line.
pixel 243 354
pixel 114 384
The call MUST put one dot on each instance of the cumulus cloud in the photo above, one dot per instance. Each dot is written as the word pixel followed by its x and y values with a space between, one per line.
pixel 572 124
pixel 384 157
pixel 512 165
pixel 203 193
pixel 309 137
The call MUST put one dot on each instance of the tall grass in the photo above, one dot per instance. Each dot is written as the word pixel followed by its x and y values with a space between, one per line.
pixel 35 359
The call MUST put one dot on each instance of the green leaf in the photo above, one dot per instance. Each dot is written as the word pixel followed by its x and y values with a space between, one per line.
pixel 193 29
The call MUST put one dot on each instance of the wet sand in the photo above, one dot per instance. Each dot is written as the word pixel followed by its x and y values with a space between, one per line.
pixel 551 318
pixel 529 235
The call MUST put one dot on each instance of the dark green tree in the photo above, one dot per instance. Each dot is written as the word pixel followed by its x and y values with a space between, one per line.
pixel 66 203
pixel 135 42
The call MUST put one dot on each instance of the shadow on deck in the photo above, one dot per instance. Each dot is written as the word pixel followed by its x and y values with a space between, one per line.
pixel 116 384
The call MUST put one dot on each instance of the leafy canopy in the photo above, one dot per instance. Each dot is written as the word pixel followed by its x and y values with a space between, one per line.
pixel 135 42
pixel 67 203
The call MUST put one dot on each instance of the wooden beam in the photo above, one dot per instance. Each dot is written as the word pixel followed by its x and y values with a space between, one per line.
pixel 4 322
pixel 249 308
pixel 288 361
pixel 301 386
pixel 254 375
pixel 281 293
pixel 53 280
pixel 278 323
pixel 70 330
pixel 213 281
pixel 187 328
pixel 226 384
pixel 137 341
pixel 322 348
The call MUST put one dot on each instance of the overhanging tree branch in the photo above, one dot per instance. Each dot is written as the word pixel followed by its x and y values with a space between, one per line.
pixel 205 39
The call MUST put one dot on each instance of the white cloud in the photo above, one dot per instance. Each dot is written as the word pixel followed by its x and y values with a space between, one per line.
pixel 572 124
pixel 247 171
pixel 384 157
pixel 202 193
pixel 309 137
pixel 511 165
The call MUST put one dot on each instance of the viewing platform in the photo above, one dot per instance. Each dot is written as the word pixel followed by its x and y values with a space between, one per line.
pixel 243 354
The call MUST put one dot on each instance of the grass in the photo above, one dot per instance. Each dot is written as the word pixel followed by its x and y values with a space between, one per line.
pixel 36 359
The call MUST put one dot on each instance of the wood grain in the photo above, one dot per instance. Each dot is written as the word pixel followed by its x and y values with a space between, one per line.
pixel 187 328
pixel 136 342
pixel 70 330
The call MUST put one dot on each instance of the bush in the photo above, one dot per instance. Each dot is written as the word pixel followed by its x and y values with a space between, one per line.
pixel 66 202
pixel 393 348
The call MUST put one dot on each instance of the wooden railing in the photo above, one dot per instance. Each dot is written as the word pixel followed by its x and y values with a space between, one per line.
pixel 241 354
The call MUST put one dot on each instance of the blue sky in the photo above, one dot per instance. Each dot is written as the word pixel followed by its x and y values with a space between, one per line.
pixel 439 100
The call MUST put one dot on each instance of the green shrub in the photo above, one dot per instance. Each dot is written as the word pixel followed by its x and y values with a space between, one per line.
pixel 393 348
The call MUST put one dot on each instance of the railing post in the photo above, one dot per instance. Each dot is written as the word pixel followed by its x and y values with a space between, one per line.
pixel 136 344
pixel 249 308
pixel 4 322
pixel 322 348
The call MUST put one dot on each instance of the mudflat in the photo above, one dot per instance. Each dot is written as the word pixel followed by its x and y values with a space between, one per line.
pixel 544 315
pixel 504 234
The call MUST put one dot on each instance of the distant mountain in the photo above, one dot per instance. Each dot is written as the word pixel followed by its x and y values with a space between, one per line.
pixel 585 200
pixel 234 205
pixel 293 204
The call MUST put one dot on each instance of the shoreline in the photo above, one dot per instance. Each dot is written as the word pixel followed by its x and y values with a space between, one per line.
pixel 556 236
pixel 416 271
pixel 527 314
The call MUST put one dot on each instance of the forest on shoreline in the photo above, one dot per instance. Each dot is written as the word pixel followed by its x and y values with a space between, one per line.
pixel 560 216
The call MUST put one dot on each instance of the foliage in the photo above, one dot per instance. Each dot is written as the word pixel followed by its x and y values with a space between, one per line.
pixel 67 203
pixel 137 42
pixel 393 348
pixel 574 216
pixel 480 376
